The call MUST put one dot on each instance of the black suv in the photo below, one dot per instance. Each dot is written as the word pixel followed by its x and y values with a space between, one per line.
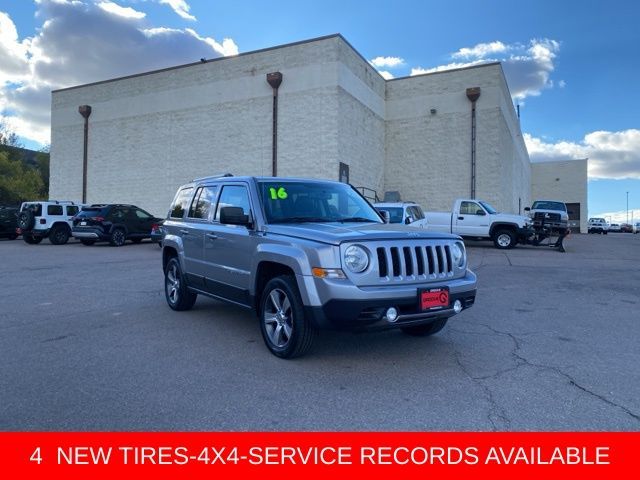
pixel 113 223
pixel 8 222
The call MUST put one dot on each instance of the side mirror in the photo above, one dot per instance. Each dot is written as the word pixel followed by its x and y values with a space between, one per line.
pixel 385 216
pixel 234 216
pixel 527 209
pixel 480 212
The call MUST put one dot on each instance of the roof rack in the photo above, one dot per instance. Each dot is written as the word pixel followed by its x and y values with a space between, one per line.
pixel 212 177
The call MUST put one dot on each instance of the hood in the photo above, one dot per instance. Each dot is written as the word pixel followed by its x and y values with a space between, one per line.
pixel 513 218
pixel 336 233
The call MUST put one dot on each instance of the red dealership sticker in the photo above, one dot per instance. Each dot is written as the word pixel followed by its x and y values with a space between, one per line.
pixel 434 298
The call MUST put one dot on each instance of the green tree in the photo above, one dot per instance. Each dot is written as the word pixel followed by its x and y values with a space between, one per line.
pixel 18 182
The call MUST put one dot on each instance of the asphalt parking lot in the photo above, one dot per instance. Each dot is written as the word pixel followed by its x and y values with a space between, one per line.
pixel 88 343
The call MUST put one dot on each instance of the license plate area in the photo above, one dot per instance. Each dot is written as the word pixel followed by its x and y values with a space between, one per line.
pixel 83 223
pixel 433 299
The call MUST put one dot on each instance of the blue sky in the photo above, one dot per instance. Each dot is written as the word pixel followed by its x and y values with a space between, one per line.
pixel 572 65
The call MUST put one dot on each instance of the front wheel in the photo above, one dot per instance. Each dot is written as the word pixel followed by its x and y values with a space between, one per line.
pixel 426 330
pixel 286 331
pixel 59 235
pixel 178 295
pixel 504 239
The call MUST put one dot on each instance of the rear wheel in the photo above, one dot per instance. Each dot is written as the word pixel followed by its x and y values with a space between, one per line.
pixel 504 239
pixel 178 295
pixel 118 237
pixel 426 330
pixel 59 235
pixel 286 331
pixel 31 239
pixel 87 241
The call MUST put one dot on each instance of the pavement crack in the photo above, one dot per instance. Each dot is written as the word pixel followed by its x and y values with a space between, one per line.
pixel 521 361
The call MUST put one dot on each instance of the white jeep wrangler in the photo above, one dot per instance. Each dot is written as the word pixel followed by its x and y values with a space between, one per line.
pixel 52 219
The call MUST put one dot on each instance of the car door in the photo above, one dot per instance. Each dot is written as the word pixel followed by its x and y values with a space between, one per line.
pixel 144 222
pixel 227 248
pixel 472 220
pixel 193 232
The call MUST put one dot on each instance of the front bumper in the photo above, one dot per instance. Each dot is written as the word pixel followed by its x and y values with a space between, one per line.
pixel 352 308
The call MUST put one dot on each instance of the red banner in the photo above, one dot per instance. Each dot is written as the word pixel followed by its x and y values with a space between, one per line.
pixel 320 455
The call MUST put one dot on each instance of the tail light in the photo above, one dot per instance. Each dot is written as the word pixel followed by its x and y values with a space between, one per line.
pixel 43 221
pixel 155 227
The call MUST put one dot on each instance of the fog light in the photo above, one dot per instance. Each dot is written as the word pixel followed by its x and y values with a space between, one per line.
pixel 457 306
pixel 392 315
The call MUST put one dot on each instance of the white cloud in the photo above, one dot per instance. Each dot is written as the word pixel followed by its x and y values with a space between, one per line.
pixel 614 155
pixel 387 62
pixel 80 42
pixel 527 67
pixel 116 9
pixel 181 7
pixel 481 50
pixel 386 75
pixel 562 84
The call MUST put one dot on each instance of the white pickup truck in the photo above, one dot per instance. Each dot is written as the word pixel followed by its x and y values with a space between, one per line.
pixel 406 213
pixel 477 219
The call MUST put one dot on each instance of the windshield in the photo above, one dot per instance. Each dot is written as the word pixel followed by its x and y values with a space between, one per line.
pixel 297 202
pixel 488 208
pixel 395 213
pixel 545 205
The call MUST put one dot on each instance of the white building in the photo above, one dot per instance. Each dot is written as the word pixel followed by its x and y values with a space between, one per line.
pixel 151 132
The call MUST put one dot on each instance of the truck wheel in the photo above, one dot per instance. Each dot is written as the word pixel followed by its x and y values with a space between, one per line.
pixel 178 295
pixel 504 239
pixel 286 331
pixel 59 235
pixel 31 239
pixel 26 220
pixel 426 330
pixel 118 237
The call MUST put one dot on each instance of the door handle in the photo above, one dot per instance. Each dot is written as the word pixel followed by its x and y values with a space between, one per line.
pixel 212 236
pixel 184 232
pixel 460 218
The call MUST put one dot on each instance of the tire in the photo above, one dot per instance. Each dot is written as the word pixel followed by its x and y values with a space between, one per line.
pixel 286 331
pixel 118 237
pixel 136 240
pixel 426 330
pixel 504 239
pixel 59 235
pixel 30 239
pixel 87 241
pixel 176 292
pixel 26 220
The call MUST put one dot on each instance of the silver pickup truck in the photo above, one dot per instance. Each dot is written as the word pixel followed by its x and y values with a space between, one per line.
pixel 309 255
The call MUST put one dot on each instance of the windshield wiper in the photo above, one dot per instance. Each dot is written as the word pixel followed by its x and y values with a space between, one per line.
pixel 357 219
pixel 303 220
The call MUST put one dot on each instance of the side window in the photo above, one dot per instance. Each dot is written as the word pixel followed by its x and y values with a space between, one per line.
pixel 233 196
pixel 54 209
pixel 142 215
pixel 180 203
pixel 469 208
pixel 202 201
pixel 118 214
pixel 72 210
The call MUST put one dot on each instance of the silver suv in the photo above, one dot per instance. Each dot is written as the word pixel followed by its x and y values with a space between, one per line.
pixel 308 255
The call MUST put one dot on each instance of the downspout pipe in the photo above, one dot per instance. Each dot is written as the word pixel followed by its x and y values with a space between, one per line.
pixel 274 79
pixel 85 111
pixel 473 94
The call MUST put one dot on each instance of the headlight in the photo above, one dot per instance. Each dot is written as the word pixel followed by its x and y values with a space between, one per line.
pixel 356 259
pixel 457 254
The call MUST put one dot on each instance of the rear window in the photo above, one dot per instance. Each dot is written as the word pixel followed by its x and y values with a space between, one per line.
pixel 89 212
pixel 180 203
pixel 35 207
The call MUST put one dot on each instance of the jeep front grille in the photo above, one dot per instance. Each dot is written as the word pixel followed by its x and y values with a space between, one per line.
pixel 416 261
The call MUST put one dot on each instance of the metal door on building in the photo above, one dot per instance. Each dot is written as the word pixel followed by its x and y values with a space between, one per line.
pixel 574 216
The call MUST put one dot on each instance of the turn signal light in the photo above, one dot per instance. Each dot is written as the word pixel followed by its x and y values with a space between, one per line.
pixel 327 272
